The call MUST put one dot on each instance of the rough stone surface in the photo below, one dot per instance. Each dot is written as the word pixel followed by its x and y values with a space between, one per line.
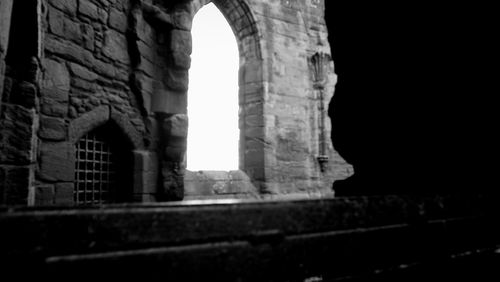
pixel 82 72
pixel 44 195
pixel 54 102
pixel 89 9
pixel 176 125
pixel 124 123
pixel 17 143
pixel 116 61
pixel 87 122
pixel 57 161
pixel 118 20
pixel 177 80
pixel 68 6
pixel 115 46
pixel 63 194
pixel 214 184
pixel 56 75
pixel 145 173
pixel 180 60
pixel 54 129
pixel 15 183
pixel 62 26
pixel 181 41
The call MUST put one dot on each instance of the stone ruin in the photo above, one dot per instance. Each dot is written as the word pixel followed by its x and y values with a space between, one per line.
pixel 94 102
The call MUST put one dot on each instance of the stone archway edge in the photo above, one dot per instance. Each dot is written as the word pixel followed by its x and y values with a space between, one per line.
pixel 99 116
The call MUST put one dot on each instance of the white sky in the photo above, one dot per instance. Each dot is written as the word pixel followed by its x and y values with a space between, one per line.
pixel 213 94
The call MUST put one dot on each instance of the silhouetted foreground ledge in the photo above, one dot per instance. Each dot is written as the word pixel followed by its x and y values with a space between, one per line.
pixel 355 239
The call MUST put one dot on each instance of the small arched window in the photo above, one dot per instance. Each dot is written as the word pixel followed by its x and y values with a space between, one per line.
pixel 103 169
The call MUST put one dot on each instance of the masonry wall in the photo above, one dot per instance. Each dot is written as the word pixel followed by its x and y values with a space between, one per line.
pixel 292 33
pixel 83 64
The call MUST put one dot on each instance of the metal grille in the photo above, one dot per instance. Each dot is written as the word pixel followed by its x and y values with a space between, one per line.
pixel 95 174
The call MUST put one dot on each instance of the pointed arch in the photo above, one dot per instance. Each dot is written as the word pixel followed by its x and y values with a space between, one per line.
pixel 251 79
pixel 243 23
pixel 213 95
pixel 100 116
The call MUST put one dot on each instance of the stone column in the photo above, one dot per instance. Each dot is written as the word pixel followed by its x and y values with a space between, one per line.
pixel 318 61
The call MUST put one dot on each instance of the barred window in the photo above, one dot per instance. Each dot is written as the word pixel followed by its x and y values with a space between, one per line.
pixel 102 169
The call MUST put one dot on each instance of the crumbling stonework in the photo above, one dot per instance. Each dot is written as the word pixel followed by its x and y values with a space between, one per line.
pixel 89 63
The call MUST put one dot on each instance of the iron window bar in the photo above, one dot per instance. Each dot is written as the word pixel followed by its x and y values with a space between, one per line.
pixel 95 171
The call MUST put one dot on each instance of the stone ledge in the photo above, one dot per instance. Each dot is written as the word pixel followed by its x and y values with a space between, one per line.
pixel 290 238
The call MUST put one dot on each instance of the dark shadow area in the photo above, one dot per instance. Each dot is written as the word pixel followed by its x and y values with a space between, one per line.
pixel 103 169
pixel 413 108
pixel 23 40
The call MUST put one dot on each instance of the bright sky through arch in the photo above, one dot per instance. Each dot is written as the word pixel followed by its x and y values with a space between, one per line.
pixel 213 137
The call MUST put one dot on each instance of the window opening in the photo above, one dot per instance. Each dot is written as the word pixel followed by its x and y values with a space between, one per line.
pixel 102 171
pixel 213 138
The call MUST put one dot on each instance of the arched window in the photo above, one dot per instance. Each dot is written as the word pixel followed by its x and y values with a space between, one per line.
pixel 213 136
pixel 103 169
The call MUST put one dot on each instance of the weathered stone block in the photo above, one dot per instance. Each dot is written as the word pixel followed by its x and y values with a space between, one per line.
pixel 169 102
pixel 116 47
pixel 83 84
pixel 176 125
pixel 122 5
pixel 291 148
pixel 180 60
pixel 56 75
pixel 88 9
pixel 68 6
pixel 173 182
pixel 253 109
pixel 104 68
pixel 54 102
pixel 17 135
pixel 145 172
pixel 177 80
pixel 57 161
pixel 147 67
pixel 123 122
pixel 15 183
pixel 254 121
pixel 182 20
pixel 44 195
pixel 251 72
pixel 60 25
pixel 175 153
pixel 207 183
pixel 102 15
pixel 69 51
pixel 64 194
pixel 145 160
pixel 87 122
pixel 52 108
pixel 254 132
pixel 118 20
pixel 88 36
pixel 26 95
pixel 54 129
pixel 255 159
pixel 181 41
pixel 54 94
pixel 82 72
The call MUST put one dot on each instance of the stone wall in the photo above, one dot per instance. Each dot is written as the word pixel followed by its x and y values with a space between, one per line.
pixel 89 63
pixel 19 72
pixel 292 33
